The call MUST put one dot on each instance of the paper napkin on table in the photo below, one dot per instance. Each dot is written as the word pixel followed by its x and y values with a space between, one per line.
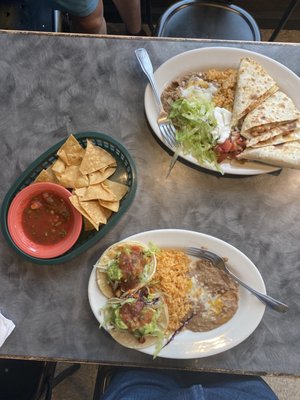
pixel 6 328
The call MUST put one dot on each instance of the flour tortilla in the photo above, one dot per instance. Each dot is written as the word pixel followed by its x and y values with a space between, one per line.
pixel 254 85
pixel 272 135
pixel 279 139
pixel 282 155
pixel 276 110
pixel 129 340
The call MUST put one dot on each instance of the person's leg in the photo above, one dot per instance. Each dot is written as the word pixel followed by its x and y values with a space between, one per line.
pixel 86 15
pixel 94 23
pixel 233 387
pixel 130 12
pixel 146 384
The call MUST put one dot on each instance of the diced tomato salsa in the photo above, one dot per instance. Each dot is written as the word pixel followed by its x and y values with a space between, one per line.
pixel 47 219
pixel 230 148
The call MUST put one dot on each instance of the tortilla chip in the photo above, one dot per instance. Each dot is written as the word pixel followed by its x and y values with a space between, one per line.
pixel 96 192
pixel 75 202
pixel 72 177
pixel 80 192
pixel 118 189
pixel 95 211
pixel 282 155
pixel 71 152
pixel 95 158
pixel 58 167
pixel 101 175
pixel 254 85
pixel 46 175
pixel 110 205
pixel 106 212
pixel 276 110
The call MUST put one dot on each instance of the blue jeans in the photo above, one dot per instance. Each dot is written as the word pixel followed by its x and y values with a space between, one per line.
pixel 139 384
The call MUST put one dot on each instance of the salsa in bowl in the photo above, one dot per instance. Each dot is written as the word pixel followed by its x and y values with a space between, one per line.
pixel 42 221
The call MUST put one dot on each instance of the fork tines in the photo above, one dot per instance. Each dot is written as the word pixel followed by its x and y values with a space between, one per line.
pixel 194 251
pixel 168 132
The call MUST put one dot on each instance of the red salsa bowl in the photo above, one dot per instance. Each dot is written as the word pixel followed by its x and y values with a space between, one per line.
pixel 42 221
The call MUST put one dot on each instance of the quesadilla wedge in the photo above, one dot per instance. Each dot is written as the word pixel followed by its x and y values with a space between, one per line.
pixel 137 321
pixel 254 85
pixel 279 139
pixel 277 110
pixel 124 268
pixel 281 155
pixel 282 131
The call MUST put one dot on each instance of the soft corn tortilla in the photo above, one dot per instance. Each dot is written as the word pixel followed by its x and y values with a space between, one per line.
pixel 277 110
pixel 254 85
pixel 129 340
pixel 282 155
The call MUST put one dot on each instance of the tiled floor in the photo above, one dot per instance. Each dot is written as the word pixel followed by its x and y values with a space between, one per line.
pixel 81 385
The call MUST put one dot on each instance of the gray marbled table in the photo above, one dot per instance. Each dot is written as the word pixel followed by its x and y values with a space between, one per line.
pixel 53 85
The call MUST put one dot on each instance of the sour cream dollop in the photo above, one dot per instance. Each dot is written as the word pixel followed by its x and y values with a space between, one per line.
pixel 222 131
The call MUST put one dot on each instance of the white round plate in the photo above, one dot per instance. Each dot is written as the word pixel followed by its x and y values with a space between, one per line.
pixel 187 344
pixel 219 58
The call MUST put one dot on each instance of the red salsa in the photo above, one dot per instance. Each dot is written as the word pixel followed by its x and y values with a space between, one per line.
pixel 47 219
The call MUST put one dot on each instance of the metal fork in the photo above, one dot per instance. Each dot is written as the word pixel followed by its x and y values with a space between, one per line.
pixel 165 125
pixel 219 263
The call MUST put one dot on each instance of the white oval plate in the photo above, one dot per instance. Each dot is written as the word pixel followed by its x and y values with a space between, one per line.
pixel 187 344
pixel 219 58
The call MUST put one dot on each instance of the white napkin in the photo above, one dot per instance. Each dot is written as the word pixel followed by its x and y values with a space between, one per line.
pixel 6 328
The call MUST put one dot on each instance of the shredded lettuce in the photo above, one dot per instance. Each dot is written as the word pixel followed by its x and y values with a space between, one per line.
pixel 112 319
pixel 194 120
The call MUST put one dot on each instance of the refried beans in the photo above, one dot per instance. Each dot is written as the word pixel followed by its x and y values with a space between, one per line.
pixel 214 296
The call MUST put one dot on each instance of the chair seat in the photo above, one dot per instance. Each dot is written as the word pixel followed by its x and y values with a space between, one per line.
pixel 207 20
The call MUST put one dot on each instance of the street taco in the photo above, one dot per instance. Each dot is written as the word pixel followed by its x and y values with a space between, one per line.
pixel 278 113
pixel 282 155
pixel 137 321
pixel 125 267
pixel 254 85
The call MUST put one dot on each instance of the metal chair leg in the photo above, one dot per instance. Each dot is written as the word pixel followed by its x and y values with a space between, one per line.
pixel 290 8
pixel 148 16
pixel 65 373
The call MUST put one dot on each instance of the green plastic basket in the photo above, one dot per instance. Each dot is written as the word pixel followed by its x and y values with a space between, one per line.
pixel 125 173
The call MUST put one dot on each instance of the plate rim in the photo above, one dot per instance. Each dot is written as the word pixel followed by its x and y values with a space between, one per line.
pixel 92 286
pixel 256 168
